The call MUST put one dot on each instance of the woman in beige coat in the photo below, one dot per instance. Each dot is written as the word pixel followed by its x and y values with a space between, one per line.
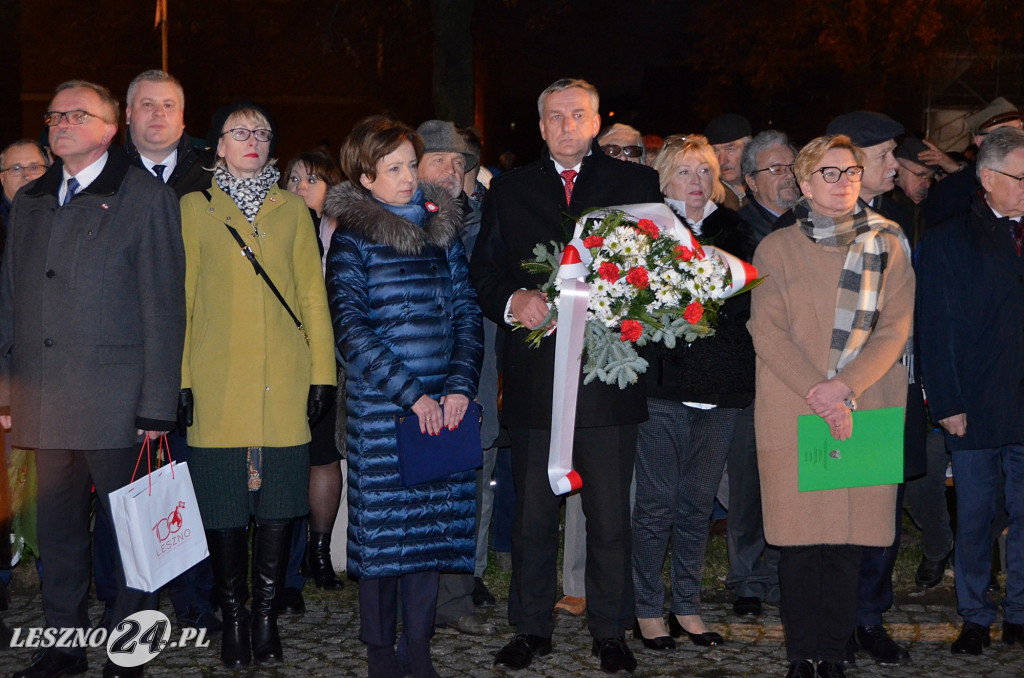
pixel 818 354
pixel 255 378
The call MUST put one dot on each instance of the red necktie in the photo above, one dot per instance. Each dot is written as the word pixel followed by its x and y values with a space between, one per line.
pixel 569 176
pixel 1018 235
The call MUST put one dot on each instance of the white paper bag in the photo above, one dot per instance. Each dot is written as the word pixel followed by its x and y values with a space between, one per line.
pixel 159 530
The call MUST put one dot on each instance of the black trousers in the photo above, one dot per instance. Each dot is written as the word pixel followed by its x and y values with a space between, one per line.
pixel 65 480
pixel 818 599
pixel 604 457
pixel 378 607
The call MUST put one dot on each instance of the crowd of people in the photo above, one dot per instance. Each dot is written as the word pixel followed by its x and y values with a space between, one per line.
pixel 385 283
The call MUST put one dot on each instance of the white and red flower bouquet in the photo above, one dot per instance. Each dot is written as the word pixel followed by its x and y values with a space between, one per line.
pixel 645 279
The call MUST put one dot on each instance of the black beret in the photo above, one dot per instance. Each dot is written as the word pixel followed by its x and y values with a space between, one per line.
pixel 865 128
pixel 225 111
pixel 727 127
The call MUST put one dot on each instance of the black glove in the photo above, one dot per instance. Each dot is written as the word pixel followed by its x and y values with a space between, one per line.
pixel 185 408
pixel 320 400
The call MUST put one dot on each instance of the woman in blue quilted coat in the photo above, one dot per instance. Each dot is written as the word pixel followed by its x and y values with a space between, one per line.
pixel 409 328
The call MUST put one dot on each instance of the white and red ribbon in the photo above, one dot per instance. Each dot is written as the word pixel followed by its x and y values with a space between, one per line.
pixel 573 298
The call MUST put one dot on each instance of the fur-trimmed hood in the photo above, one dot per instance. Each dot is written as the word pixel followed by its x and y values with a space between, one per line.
pixel 353 209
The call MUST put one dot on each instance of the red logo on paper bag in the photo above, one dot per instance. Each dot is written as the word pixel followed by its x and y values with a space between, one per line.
pixel 165 527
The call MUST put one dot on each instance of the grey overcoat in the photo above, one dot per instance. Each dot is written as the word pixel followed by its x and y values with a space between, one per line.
pixel 92 310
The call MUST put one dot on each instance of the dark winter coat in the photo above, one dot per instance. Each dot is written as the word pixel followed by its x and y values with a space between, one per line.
pixel 717 370
pixel 92 310
pixel 970 322
pixel 526 207
pixel 407 324
pixel 190 172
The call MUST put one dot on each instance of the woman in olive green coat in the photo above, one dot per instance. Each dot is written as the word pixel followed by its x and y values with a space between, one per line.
pixel 251 379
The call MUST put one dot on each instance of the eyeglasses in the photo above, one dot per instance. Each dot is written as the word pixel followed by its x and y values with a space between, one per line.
pixel 33 170
pixel 831 175
pixel 1019 180
pixel 776 170
pixel 924 174
pixel 76 117
pixel 615 150
pixel 242 134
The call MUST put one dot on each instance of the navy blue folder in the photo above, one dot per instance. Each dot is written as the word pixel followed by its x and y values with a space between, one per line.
pixel 423 458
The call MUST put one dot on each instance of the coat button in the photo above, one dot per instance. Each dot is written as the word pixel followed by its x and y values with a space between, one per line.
pixel 50 273
pixel 401 271
pixel 433 267
pixel 47 342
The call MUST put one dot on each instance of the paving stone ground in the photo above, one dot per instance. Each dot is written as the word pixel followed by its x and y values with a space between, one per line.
pixel 324 642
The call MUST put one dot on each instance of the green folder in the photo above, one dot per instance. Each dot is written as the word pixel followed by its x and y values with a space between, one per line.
pixel 873 455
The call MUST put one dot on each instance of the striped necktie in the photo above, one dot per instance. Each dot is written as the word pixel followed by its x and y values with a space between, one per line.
pixel 72 189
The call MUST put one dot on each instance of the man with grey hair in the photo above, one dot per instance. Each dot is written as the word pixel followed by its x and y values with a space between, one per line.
pixel 970 320
pixel 535 204
pixel 21 162
pixel 767 167
pixel 92 326
pixel 623 143
pixel 729 134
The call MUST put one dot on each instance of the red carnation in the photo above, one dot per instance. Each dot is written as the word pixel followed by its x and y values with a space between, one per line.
pixel 592 241
pixel 637 277
pixel 608 271
pixel 683 253
pixel 648 227
pixel 631 330
pixel 693 313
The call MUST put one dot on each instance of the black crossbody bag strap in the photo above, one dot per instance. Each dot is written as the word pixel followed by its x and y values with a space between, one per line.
pixel 260 271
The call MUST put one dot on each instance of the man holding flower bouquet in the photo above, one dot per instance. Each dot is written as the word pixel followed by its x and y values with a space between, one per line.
pixel 535 205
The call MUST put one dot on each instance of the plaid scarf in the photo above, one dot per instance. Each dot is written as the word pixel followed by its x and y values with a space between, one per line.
pixel 860 291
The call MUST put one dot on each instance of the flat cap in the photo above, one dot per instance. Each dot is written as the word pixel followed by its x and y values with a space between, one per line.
pixel 999 111
pixel 440 136
pixel 909 149
pixel 865 128
pixel 727 127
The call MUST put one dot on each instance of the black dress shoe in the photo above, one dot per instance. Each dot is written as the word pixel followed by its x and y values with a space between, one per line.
pixel 831 670
pixel 1013 633
pixel 290 602
pixel 930 572
pixel 747 606
pixel 973 639
pixel 51 663
pixel 614 654
pixel 520 651
pixel 706 639
pixel 112 670
pixel 660 643
pixel 850 658
pixel 883 649
pixel 801 669
pixel 482 597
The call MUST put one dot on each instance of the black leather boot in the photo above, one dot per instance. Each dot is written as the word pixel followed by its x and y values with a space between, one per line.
pixel 270 550
pixel 229 556
pixel 318 562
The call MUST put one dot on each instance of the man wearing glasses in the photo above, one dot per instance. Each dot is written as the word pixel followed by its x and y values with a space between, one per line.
pixel 20 163
pixel 92 322
pixel 970 320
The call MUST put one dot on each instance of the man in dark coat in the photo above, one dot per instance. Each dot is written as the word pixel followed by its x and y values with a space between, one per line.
pixel 952 196
pixel 157 143
pixel 876 135
pixel 537 204
pixel 92 324
pixel 971 319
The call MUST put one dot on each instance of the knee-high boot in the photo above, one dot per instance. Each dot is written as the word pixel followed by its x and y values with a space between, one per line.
pixel 229 555
pixel 271 546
